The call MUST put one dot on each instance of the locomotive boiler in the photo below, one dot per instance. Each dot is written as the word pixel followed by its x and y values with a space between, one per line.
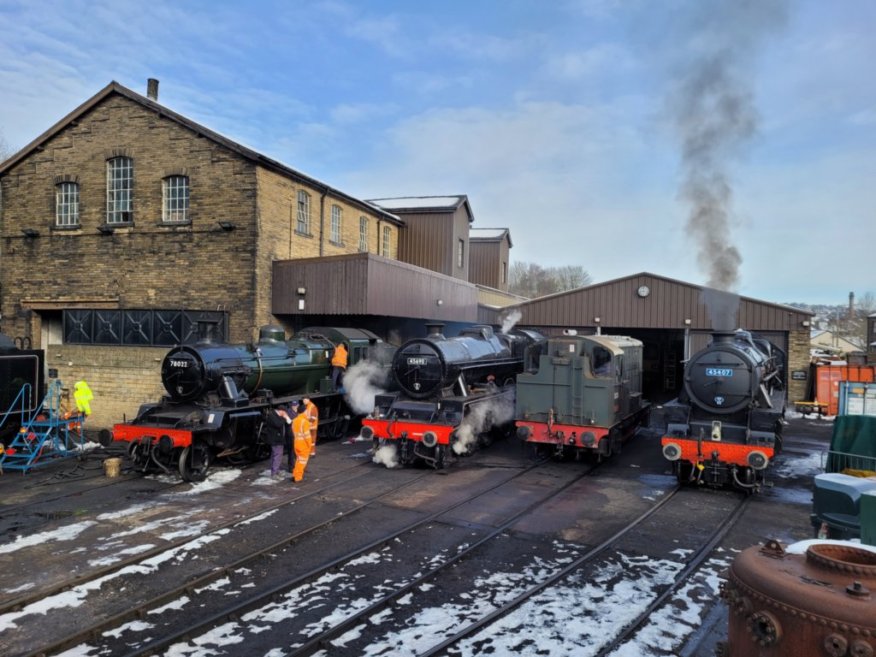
pixel 217 393
pixel 454 394
pixel 585 398
pixel 726 425
pixel 810 598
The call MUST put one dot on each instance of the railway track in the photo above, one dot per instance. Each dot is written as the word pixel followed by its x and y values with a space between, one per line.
pixel 379 591
pixel 34 596
pixel 113 635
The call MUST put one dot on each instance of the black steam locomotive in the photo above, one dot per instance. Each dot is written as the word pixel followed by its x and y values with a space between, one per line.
pixel 216 395
pixel 726 425
pixel 22 384
pixel 454 394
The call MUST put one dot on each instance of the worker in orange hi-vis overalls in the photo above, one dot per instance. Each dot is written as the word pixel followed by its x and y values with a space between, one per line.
pixel 301 443
pixel 313 416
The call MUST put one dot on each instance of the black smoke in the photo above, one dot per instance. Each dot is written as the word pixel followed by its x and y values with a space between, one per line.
pixel 715 117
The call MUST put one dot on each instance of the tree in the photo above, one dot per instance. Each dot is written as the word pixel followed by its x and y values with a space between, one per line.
pixel 5 149
pixel 531 280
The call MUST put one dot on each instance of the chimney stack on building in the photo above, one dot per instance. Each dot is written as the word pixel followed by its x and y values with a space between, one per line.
pixel 851 305
pixel 152 89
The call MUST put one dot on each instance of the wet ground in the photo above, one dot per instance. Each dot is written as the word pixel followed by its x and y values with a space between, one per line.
pixel 66 491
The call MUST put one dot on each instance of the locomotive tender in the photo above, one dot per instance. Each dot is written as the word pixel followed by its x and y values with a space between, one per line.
pixel 585 397
pixel 454 394
pixel 22 384
pixel 217 393
pixel 726 425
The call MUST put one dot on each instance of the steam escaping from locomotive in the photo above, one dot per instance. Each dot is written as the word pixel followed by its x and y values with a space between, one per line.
pixel 386 455
pixel 715 116
pixel 722 307
pixel 363 382
pixel 482 418
pixel 511 320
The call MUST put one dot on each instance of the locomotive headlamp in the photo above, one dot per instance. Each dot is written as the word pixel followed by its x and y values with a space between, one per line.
pixel 430 439
pixel 758 460
pixel 672 451
pixel 165 444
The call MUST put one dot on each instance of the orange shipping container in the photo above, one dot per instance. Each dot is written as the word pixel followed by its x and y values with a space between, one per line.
pixel 829 377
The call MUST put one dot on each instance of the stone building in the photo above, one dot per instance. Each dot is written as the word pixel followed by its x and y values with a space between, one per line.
pixel 125 226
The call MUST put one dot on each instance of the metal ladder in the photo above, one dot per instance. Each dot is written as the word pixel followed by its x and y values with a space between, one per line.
pixel 45 435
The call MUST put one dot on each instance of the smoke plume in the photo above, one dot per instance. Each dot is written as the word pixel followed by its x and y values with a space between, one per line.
pixel 511 320
pixel 482 417
pixel 386 455
pixel 715 116
pixel 362 382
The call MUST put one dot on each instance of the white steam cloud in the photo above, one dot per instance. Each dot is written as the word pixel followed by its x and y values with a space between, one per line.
pixel 386 455
pixel 510 320
pixel 362 382
pixel 481 418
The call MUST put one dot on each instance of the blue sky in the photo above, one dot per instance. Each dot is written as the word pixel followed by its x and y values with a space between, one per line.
pixel 593 129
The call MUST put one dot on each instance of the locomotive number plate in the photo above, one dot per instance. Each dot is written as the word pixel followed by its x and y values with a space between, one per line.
pixel 179 363
pixel 719 371
pixel 416 361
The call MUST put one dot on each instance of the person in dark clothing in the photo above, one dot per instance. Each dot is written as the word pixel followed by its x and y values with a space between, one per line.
pixel 275 424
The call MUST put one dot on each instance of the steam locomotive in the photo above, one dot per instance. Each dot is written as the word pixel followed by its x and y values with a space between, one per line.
pixel 217 393
pixel 726 425
pixel 585 397
pixel 22 385
pixel 454 395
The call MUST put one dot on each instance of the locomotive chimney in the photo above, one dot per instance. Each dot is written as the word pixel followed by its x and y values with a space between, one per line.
pixel 722 336
pixel 434 330
pixel 152 89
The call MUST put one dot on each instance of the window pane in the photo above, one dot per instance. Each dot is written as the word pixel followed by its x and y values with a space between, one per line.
pixel 363 233
pixel 336 225
pixel 176 199
pixel 67 204
pixel 387 234
pixel 303 213
pixel 119 187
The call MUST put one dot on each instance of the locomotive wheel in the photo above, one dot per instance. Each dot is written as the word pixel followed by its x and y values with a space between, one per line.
pixel 194 462
pixel 441 457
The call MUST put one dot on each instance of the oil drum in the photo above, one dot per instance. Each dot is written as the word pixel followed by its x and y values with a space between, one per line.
pixel 787 603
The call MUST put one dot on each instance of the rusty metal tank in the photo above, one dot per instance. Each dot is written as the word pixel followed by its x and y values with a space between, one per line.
pixel 785 603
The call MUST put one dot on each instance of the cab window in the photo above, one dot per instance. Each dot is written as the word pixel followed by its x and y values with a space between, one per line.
pixel 601 362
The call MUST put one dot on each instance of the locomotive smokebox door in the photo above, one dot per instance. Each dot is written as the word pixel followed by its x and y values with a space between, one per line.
pixel 716 429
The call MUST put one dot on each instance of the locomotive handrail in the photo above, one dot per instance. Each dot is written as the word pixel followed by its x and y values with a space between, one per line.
pixel 23 394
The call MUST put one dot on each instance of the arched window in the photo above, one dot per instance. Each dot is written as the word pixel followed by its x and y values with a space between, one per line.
pixel 175 199
pixel 67 204
pixel 119 190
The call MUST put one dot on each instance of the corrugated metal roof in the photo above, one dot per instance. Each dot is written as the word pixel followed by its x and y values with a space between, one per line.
pixel 648 300
pixel 424 204
pixel 489 234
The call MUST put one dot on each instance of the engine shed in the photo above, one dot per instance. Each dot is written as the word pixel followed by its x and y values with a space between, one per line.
pixel 673 319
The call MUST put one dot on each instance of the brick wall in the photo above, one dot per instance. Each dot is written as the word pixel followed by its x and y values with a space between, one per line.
pixel 121 379
pixel 198 266
pixel 798 359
